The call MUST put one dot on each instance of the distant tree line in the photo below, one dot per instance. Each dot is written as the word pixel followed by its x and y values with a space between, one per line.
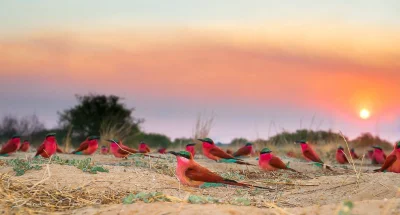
pixel 109 117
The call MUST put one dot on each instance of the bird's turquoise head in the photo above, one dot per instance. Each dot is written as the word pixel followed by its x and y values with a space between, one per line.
pixel 113 141
pixel 398 145
pixel 184 154
pixel 352 149
pixel 249 144
pixel 301 141
pixel 265 151
pixel 50 135
pixel 207 140
pixel 16 136
pixel 191 144
pixel 94 137
pixel 340 147
pixel 377 147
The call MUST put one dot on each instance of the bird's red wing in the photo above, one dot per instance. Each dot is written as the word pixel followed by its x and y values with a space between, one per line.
pixel 9 147
pixel 126 148
pixel 59 150
pixel 388 162
pixel 308 154
pixel 277 163
pixel 40 150
pixel 123 152
pixel 219 153
pixel 242 151
pixel 199 173
pixel 84 145
pixel 384 155
pixel 345 158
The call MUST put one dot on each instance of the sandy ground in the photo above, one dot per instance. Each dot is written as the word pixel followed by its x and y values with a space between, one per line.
pixel 315 191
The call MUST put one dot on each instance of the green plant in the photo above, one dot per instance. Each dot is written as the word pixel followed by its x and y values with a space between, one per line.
pixel 146 197
pixel 346 209
pixel 20 166
pixel 193 199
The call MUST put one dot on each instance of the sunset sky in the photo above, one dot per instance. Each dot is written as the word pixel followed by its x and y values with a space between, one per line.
pixel 251 63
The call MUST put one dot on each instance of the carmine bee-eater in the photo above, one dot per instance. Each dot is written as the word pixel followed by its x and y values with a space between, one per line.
pixel 143 148
pixel 88 147
pixel 213 152
pixel 379 156
pixel 353 154
pixel 119 150
pixel 270 162
pixel 244 151
pixel 392 162
pixel 48 147
pixel 11 146
pixel 25 146
pixel 104 150
pixel 162 150
pixel 190 148
pixel 310 155
pixel 193 174
pixel 341 156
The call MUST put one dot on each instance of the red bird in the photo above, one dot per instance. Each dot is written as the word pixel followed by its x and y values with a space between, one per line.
pixel 11 146
pixel 244 151
pixel 48 147
pixel 341 156
pixel 104 150
pixel 119 150
pixel 353 154
pixel 392 162
pixel 25 146
pixel 269 162
pixel 310 155
pixel 88 147
pixel 193 174
pixel 162 150
pixel 215 153
pixel 143 148
pixel 190 148
pixel 379 156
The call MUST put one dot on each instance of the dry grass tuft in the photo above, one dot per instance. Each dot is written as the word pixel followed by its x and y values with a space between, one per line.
pixel 25 197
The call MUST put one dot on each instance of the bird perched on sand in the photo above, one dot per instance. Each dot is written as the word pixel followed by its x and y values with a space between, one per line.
pixel 104 150
pixel 25 146
pixel 190 148
pixel 378 156
pixel 119 150
pixel 310 155
pixel 193 174
pixel 341 156
pixel 143 148
pixel 162 150
pixel 88 147
pixel 213 152
pixel 392 162
pixel 244 151
pixel 48 147
pixel 353 154
pixel 270 162
pixel 11 146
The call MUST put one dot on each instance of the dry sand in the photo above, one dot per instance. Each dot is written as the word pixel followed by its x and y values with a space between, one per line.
pixel 316 191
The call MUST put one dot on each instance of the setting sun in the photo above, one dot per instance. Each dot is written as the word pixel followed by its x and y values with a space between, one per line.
pixel 364 114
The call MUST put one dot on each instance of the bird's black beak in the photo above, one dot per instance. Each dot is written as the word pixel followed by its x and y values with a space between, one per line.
pixel 172 152
pixel 111 141
pixel 202 140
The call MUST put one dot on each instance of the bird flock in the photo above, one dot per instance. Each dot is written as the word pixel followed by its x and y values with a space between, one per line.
pixel 190 173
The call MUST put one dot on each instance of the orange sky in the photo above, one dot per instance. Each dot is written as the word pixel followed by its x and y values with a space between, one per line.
pixel 334 70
